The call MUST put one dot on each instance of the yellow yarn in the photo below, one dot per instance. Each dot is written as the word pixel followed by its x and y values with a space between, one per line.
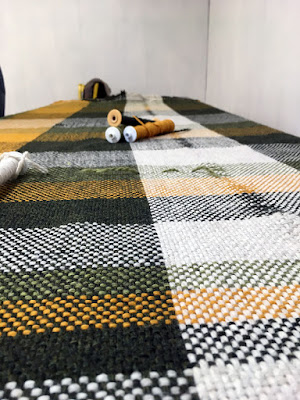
pixel 154 128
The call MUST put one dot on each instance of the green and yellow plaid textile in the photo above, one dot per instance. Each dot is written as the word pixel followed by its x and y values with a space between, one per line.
pixel 163 269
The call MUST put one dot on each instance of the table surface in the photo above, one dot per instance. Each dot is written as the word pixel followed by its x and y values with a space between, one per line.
pixel 165 268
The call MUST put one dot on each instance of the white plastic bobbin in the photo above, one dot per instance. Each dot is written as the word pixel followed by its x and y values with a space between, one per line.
pixel 113 134
pixel 130 134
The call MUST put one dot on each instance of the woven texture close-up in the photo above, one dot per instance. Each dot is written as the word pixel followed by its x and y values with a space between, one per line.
pixel 167 268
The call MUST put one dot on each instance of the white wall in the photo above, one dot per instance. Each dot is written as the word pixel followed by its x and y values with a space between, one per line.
pixel 254 60
pixel 159 46
pixel 48 47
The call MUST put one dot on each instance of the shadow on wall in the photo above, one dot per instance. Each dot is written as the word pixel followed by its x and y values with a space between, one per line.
pixel 2 95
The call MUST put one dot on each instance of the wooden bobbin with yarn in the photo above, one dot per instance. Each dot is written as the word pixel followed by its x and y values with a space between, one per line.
pixel 116 118
pixel 147 130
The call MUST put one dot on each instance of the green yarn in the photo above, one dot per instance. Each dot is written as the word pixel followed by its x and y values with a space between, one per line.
pixel 171 170
pixel 111 169
pixel 213 170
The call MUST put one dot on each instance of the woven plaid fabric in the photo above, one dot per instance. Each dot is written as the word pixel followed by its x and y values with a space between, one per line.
pixel 163 269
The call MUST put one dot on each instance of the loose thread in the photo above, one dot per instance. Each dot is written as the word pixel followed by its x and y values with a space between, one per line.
pixel 138 120
pixel 213 170
pixel 110 170
pixel 171 170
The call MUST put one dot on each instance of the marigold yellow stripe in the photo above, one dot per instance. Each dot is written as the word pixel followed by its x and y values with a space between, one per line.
pixel 192 133
pixel 18 137
pixel 27 124
pixel 57 110
pixel 69 136
pixel 56 314
pixel 5 146
pixel 133 188
pixel 46 191
pixel 15 131
pixel 246 131
pixel 204 186
pixel 213 305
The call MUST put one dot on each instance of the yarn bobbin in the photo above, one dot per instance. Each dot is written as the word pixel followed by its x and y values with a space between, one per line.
pixel 113 134
pixel 147 130
pixel 116 118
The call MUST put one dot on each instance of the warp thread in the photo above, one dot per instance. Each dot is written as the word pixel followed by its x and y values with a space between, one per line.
pixel 13 164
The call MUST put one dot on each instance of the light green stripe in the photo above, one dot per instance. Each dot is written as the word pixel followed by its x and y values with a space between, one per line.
pixel 82 174
pixel 229 170
pixel 235 274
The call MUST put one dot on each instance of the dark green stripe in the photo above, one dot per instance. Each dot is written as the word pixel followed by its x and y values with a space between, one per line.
pixel 100 109
pixel 71 146
pixel 265 139
pixel 242 124
pixel 293 164
pixel 82 174
pixel 59 128
pixel 91 352
pixel 284 154
pixel 186 106
pixel 56 213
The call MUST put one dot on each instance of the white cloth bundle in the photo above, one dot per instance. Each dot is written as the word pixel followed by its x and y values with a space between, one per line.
pixel 13 164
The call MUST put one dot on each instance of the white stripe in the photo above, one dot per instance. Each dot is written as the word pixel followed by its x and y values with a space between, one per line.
pixel 83 123
pixel 83 159
pixel 79 245
pixel 215 118
pixel 187 156
pixel 163 384
pixel 276 380
pixel 155 105
pixel 263 238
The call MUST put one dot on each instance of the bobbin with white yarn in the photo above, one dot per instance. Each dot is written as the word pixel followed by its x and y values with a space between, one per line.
pixel 113 134
pixel 13 164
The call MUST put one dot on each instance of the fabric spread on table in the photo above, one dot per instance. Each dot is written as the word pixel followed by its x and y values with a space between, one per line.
pixel 166 268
